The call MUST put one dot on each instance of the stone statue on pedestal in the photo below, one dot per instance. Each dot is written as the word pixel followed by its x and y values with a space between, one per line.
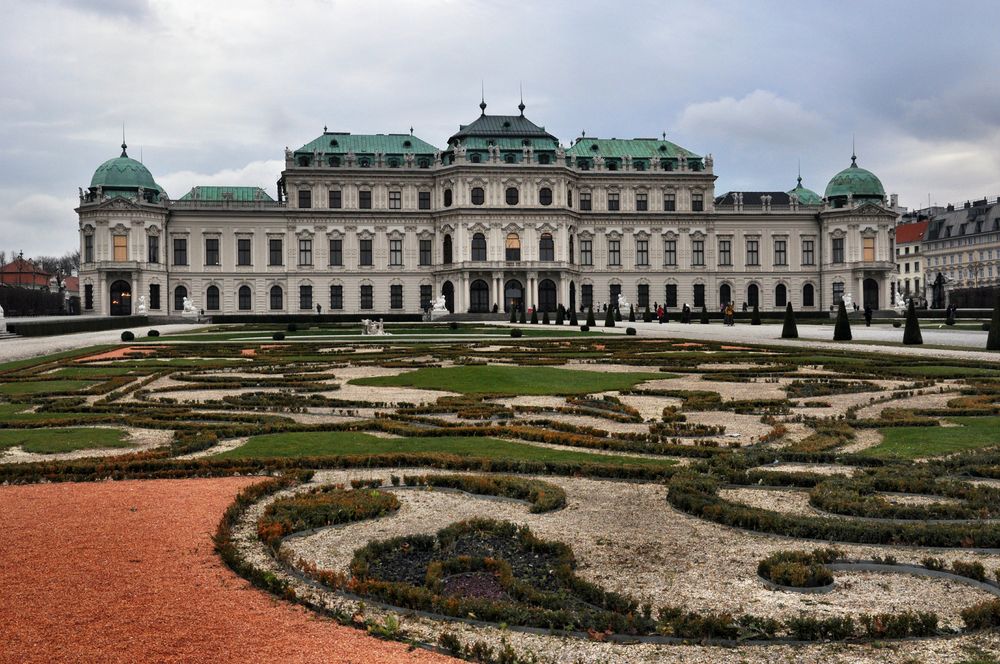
pixel 141 307
pixel 189 308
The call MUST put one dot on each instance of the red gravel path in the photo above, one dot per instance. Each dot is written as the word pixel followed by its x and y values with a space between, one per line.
pixel 125 572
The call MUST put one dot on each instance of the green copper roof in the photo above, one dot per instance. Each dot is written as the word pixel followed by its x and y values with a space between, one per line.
pixel 480 143
pixel 806 196
pixel 501 126
pixel 341 143
pixel 215 194
pixel 856 182
pixel 645 148
pixel 123 172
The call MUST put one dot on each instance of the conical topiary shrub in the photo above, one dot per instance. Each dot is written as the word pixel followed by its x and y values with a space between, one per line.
pixel 755 315
pixel 513 313
pixel 522 314
pixel 609 319
pixel 560 314
pixel 590 317
pixel 704 315
pixel 647 315
pixel 631 314
pixel 534 316
pixel 993 341
pixel 789 330
pixel 911 335
pixel 572 318
pixel 842 329
pixel 618 314
pixel 545 318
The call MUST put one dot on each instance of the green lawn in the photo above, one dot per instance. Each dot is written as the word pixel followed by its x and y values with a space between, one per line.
pixel 17 412
pixel 54 441
pixel 917 442
pixel 85 372
pixel 43 386
pixel 495 379
pixel 341 443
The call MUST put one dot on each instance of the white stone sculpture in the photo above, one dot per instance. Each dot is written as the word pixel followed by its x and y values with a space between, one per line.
pixel 3 322
pixel 848 302
pixel 374 328
pixel 141 307
pixel 189 308
pixel 901 304
pixel 623 303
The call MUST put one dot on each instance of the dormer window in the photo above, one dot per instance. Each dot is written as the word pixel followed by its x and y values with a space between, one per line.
pixel 663 148
pixel 393 163
pixel 612 165
pixel 334 143
pixel 639 165
pixel 364 162
pixel 407 144
pixel 525 142
pixel 506 124
pixel 509 158
pixel 543 159
pixel 475 159
pixel 303 161
pixel 594 147
pixel 334 161
pixel 424 163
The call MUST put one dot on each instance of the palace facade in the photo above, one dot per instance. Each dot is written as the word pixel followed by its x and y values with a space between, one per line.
pixel 504 215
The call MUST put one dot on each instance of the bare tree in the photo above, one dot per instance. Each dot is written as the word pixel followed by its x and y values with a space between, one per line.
pixel 3 257
pixel 70 262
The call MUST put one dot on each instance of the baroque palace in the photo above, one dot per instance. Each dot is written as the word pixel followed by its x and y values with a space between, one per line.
pixel 503 216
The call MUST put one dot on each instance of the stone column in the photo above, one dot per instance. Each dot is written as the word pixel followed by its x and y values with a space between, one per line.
pixel 860 296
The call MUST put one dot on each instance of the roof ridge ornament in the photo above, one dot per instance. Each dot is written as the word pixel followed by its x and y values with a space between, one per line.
pixel 482 98
pixel 521 106
pixel 854 153
pixel 124 154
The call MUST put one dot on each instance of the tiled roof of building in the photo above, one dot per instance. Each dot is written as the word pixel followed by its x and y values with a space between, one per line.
pixel 513 126
pixel 979 217
pixel 218 194
pixel 633 147
pixel 23 272
pixel 332 142
pixel 912 232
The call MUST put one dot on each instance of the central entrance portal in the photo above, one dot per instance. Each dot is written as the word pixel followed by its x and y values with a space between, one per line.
pixel 513 295
pixel 121 298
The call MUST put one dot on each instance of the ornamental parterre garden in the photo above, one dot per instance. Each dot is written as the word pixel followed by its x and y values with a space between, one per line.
pixel 558 497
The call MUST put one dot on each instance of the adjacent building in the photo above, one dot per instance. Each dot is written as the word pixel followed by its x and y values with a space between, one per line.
pixel 910 261
pixel 961 253
pixel 504 215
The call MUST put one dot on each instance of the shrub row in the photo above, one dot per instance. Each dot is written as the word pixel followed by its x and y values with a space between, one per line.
pixel 321 507
pixel 543 496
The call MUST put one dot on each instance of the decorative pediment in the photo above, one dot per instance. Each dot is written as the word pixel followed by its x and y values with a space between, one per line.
pixel 118 203
pixel 697 234
pixel 335 234
pixel 838 233
pixel 365 234
pixel 88 228
pixel 477 181
pixel 304 234
pixel 425 234
pixel 395 234
pixel 670 234
pixel 868 231
pixel 545 182
pixel 119 229
pixel 153 231
pixel 513 227
pixel 641 233
pixel 613 234
pixel 478 227
pixel 447 228
pixel 512 182
pixel 585 235
pixel 546 226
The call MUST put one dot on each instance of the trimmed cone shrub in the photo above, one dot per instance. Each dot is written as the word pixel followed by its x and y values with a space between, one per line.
pixel 128 336
pixel 153 333
pixel 631 314
pixel 522 315
pixel 789 330
pixel 513 314
pixel 911 335
pixel 630 331
pixel 560 314
pixel 755 316
pixel 590 317
pixel 572 318
pixel 647 315
pixel 618 314
pixel 534 316
pixel 609 319
pixel 842 330
pixel 545 318
pixel 704 315
pixel 993 341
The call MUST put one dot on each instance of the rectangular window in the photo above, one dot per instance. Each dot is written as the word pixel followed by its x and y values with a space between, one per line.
pixel 88 248
pixel 395 200
pixel 365 246
pixel 336 251
pixel 153 249
pixel 305 198
pixel 243 256
pixel 336 199
pixel 669 202
pixel 424 200
pixel 781 252
pixel 569 198
pixel 670 299
pixel 869 250
pixel 643 296
pixel 753 252
pixel 154 296
pixel 587 295
pixel 642 202
pixel 808 252
pixel 699 295
pixel 670 252
pixel 365 199
pixel 697 252
pixel 305 297
pixel 614 252
pixel 698 202
pixel 425 251
pixel 396 296
pixel 725 252
pixel 585 203
pixel 367 299
pixel 180 251
pixel 838 291
pixel 336 296
pixel 586 252
pixel 274 252
pixel 425 296
pixel 211 251
pixel 120 247
pixel 613 201
pixel 642 252
pixel 305 252
pixel 396 252
pixel 838 250
pixel 88 296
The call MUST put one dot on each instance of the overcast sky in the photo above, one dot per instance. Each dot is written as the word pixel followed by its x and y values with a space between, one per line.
pixel 211 92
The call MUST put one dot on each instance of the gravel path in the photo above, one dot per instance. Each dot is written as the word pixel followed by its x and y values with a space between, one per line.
pixel 19 348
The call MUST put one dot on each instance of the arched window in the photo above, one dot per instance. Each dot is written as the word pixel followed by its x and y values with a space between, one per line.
pixel 424 163
pixel 447 250
pixel 543 159
pixel 245 297
pixel 478 196
pixel 277 298
pixel 212 298
pixel 509 158
pixel 393 163
pixel 571 254
pixel 546 295
pixel 475 158
pixel 513 247
pixel 546 248
pixel 511 195
pixel 364 162
pixel 447 197
pixel 545 196
pixel 753 295
pixel 780 295
pixel 612 165
pixel 808 296
pixel 478 247
pixel 725 295
pixel 179 294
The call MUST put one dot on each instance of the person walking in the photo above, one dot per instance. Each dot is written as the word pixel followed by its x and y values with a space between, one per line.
pixel 730 312
pixel 868 315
